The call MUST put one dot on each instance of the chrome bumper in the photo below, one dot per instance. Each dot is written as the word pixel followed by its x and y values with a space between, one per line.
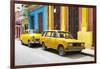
pixel 74 48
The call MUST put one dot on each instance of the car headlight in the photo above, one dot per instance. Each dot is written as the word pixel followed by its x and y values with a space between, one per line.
pixel 70 44
pixel 82 44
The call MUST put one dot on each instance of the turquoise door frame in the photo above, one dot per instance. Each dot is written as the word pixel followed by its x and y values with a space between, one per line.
pixel 35 13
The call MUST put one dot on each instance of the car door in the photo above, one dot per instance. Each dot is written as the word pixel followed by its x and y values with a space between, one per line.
pixel 47 39
pixel 53 40
pixel 25 38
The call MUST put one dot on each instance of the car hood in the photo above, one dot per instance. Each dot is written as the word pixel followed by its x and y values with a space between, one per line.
pixel 36 35
pixel 73 41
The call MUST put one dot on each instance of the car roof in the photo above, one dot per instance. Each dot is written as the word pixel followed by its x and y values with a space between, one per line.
pixel 54 30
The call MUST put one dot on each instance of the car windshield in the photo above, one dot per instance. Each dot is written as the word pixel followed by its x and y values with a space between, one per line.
pixel 31 31
pixel 64 35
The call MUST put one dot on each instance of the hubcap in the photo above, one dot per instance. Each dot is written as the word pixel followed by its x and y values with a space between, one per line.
pixel 29 44
pixel 43 46
pixel 61 51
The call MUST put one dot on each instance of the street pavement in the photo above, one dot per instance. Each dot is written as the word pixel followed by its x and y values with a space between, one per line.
pixel 25 55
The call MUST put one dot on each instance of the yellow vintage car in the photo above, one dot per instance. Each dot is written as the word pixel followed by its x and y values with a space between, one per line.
pixel 30 37
pixel 61 41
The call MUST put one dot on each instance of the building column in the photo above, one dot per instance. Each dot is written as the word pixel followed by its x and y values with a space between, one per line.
pixel 85 35
pixel 84 24
pixel 50 17
pixel 63 18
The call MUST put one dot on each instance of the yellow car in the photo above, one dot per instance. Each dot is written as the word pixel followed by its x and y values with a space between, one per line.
pixel 61 41
pixel 29 38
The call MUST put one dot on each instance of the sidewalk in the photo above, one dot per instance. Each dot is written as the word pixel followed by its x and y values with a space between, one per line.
pixel 89 51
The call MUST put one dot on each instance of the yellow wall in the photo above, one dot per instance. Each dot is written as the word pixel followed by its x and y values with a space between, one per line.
pixel 84 24
pixel 63 18
pixel 50 17
pixel 84 35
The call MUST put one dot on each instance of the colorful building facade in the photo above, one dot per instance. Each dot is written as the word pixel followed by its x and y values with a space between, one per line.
pixel 38 19
pixel 76 20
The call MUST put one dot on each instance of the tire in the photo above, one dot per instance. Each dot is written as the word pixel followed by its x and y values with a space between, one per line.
pixel 22 42
pixel 29 44
pixel 44 47
pixel 61 51
pixel 78 51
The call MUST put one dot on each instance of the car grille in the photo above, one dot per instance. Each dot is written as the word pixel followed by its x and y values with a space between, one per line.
pixel 76 44
pixel 37 39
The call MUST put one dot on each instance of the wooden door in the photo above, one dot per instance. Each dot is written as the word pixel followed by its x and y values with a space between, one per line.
pixel 56 17
pixel 73 21
pixel 40 22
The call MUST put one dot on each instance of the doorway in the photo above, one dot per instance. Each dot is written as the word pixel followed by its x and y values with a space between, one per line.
pixel 73 21
pixel 56 17
pixel 32 18
pixel 40 22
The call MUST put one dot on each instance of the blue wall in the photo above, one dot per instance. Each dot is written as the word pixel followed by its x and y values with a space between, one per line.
pixel 35 13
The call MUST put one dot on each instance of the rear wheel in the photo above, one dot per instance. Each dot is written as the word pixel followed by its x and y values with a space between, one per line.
pixel 29 44
pixel 44 47
pixel 61 51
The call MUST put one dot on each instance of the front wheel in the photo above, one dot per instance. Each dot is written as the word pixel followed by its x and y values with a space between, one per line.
pixel 78 51
pixel 44 47
pixel 61 51
pixel 29 44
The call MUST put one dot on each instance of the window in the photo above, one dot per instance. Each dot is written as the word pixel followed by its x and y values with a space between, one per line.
pixel 65 35
pixel 53 34
pixel 48 34
pixel 44 33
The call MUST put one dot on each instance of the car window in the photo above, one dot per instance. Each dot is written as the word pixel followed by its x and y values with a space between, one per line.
pixel 44 33
pixel 65 35
pixel 61 35
pixel 48 34
pixel 31 31
pixel 53 34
